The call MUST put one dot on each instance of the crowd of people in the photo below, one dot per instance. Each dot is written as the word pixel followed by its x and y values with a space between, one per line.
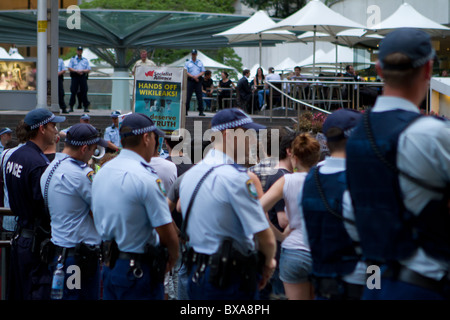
pixel 300 224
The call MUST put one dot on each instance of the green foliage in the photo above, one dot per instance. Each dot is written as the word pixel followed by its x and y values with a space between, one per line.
pixel 217 6
pixel 165 56
pixel 278 8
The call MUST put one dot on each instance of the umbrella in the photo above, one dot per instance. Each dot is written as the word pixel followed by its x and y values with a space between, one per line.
pixel 407 17
pixel 253 29
pixel 208 63
pixel 350 37
pixel 316 16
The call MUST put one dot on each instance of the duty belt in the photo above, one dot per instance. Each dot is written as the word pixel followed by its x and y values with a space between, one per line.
pixel 26 233
pixel 68 252
pixel 337 289
pixel 409 276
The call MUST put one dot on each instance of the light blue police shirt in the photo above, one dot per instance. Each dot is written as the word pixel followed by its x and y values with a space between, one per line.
pixel 112 134
pixel 128 203
pixel 225 206
pixel 194 68
pixel 79 64
pixel 61 65
pixel 9 222
pixel 69 202
pixel 423 152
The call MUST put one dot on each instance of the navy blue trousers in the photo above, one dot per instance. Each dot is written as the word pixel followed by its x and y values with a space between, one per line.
pixel 196 87
pixel 204 290
pixel 89 285
pixel 398 290
pixel 29 278
pixel 120 283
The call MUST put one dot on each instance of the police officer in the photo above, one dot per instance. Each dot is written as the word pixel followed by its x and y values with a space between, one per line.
pixel 85 118
pixel 398 171
pixel 66 187
pixel 5 137
pixel 61 72
pixel 112 135
pixel 338 273
pixel 223 218
pixel 29 278
pixel 79 69
pixel 131 212
pixel 195 71
pixel 9 222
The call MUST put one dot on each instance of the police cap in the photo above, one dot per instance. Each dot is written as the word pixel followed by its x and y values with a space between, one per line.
pixel 41 116
pixel 139 123
pixel 344 119
pixel 233 118
pixel 5 130
pixel 82 134
pixel 414 43
pixel 115 114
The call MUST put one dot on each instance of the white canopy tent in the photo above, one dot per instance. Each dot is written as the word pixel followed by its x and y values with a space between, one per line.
pixel 208 63
pixel 286 65
pixel 89 55
pixel 4 54
pixel 310 59
pixel 254 69
pixel 254 28
pixel 328 59
pixel 316 17
pixel 408 17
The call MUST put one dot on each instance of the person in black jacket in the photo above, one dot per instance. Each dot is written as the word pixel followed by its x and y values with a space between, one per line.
pixel 245 92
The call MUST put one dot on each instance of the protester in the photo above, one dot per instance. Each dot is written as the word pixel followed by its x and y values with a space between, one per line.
pixel 295 259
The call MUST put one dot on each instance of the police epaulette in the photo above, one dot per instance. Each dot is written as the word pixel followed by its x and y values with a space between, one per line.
pixel 147 166
pixel 239 167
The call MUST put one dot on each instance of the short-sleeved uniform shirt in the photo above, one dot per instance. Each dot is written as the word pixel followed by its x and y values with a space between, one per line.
pixel 194 67
pixel 226 205
pixel 112 134
pixel 69 202
pixel 128 203
pixel 79 64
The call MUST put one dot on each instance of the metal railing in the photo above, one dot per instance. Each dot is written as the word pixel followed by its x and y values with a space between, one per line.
pixel 316 94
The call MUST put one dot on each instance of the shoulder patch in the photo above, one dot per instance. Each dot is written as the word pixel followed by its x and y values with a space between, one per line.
pixel 251 188
pixel 161 186
pixel 90 175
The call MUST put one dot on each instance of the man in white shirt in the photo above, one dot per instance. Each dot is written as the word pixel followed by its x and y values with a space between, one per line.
pixel 143 62
pixel 263 93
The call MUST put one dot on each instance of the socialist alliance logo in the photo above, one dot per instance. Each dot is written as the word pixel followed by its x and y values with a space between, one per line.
pixel 149 73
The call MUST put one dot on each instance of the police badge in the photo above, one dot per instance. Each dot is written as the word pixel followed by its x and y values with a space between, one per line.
pixel 251 188
pixel 161 186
